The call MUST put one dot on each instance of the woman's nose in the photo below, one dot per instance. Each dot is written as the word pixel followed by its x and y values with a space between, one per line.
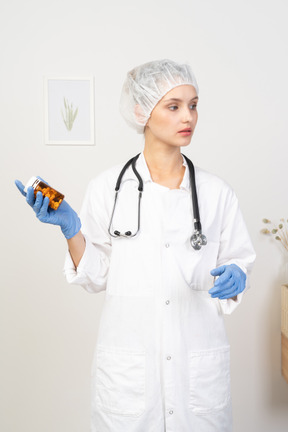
pixel 187 115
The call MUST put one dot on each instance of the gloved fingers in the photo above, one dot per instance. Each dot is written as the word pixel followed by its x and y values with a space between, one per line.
pixel 224 278
pixel 38 202
pixel 218 270
pixel 30 198
pixel 222 287
pixel 239 277
pixel 233 293
pixel 229 293
pixel 43 214
pixel 20 187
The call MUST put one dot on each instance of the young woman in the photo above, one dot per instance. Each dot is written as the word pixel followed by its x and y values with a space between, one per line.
pixel 162 357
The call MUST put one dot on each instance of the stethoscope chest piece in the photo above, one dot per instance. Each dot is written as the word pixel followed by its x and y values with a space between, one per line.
pixel 198 240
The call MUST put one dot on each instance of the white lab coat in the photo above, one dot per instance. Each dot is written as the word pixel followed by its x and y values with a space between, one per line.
pixel 162 357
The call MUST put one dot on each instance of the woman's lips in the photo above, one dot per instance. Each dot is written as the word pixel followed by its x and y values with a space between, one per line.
pixel 185 132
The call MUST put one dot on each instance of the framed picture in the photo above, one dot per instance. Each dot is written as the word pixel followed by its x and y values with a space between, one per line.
pixel 69 111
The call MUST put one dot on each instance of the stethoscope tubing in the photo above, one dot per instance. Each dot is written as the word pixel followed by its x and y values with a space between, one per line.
pixel 197 239
pixel 127 234
pixel 197 223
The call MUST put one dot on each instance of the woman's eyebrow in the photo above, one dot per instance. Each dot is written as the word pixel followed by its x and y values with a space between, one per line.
pixel 179 100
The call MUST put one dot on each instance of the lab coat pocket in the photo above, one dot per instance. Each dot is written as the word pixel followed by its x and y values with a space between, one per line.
pixel 209 380
pixel 120 381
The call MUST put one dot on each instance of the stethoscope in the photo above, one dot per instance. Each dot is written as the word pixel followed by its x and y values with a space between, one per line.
pixel 197 239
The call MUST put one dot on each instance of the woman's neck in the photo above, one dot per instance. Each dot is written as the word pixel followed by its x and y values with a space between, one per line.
pixel 165 165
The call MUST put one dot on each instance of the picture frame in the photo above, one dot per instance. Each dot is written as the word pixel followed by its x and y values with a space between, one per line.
pixel 69 111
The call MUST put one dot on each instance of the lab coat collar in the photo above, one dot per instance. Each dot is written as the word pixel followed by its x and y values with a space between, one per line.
pixel 144 172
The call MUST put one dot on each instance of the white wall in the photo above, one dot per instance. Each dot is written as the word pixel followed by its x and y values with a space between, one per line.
pixel 238 50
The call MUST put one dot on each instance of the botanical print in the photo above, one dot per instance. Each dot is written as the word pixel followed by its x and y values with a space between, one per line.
pixel 69 111
pixel 69 116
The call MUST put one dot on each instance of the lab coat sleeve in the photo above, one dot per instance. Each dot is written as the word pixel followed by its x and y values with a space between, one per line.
pixel 235 247
pixel 92 270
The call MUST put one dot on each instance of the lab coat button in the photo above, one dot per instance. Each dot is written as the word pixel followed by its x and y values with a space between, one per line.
pixel 167 245
pixel 167 302
pixel 170 412
pixel 168 358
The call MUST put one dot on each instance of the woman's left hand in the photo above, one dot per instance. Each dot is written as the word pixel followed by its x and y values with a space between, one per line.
pixel 230 283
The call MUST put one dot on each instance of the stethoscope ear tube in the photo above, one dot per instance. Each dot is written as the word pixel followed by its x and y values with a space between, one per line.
pixel 140 187
pixel 126 166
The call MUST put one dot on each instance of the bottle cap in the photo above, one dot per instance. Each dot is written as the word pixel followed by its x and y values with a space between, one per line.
pixel 32 182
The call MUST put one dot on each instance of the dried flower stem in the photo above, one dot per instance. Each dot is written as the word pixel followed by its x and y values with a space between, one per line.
pixel 279 232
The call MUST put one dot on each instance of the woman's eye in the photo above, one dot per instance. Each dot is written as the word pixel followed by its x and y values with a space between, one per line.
pixel 193 107
pixel 173 107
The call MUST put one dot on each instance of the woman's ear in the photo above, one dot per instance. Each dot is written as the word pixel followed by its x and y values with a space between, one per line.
pixel 139 115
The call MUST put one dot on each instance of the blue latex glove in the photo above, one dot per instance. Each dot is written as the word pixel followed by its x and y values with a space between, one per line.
pixel 64 216
pixel 230 283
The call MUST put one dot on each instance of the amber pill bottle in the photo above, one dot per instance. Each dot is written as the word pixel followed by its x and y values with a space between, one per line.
pixel 55 197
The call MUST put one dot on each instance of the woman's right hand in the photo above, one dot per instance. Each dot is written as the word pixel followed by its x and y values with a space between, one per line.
pixel 64 216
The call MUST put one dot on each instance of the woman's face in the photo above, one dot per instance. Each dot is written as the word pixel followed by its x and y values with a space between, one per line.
pixel 174 118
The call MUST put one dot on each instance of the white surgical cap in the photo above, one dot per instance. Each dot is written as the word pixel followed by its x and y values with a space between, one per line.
pixel 147 84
